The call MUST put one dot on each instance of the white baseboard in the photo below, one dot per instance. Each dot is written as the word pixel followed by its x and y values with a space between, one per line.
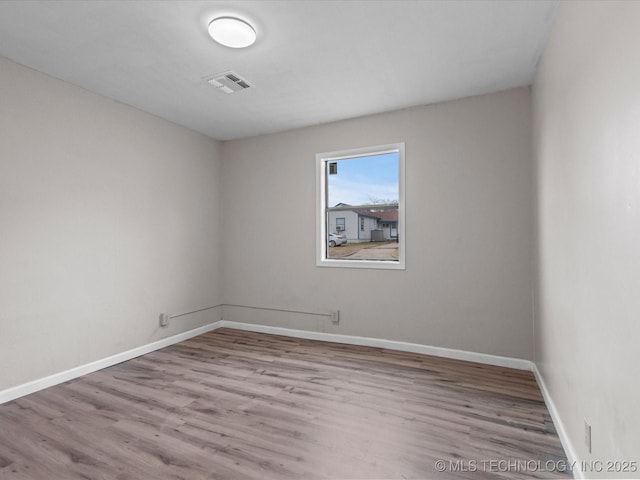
pixel 500 361
pixel 520 364
pixel 488 359
pixel 57 378
pixel 61 377
pixel 572 457
pixel 517 363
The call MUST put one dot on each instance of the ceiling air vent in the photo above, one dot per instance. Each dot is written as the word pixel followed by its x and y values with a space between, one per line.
pixel 229 82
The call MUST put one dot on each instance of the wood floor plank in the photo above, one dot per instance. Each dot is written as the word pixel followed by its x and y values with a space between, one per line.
pixel 232 404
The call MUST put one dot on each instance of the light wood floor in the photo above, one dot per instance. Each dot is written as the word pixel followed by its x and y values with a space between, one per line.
pixel 232 404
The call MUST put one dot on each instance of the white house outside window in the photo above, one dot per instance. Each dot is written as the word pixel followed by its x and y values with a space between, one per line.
pixel 360 206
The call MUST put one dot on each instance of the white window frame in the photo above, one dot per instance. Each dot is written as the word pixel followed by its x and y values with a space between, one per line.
pixel 321 208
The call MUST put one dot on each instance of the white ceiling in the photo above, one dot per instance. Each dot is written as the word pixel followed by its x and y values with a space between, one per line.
pixel 313 62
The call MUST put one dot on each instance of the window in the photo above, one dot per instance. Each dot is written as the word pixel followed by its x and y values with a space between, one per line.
pixel 360 208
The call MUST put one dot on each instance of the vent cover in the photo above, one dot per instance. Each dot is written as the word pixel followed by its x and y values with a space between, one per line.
pixel 229 82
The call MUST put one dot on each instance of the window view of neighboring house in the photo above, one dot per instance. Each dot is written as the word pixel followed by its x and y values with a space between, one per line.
pixel 360 207
pixel 365 223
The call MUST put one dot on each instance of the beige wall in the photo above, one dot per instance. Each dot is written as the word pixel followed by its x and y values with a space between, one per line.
pixel 587 139
pixel 468 280
pixel 111 216
pixel 108 217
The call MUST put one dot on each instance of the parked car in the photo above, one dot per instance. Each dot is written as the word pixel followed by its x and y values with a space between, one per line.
pixel 336 240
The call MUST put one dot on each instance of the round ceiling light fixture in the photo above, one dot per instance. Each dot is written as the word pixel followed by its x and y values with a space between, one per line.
pixel 232 32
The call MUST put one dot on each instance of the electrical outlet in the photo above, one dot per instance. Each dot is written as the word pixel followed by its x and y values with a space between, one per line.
pixel 587 436
pixel 335 316
pixel 164 319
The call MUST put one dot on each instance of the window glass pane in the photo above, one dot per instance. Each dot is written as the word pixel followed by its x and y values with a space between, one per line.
pixel 360 208
pixel 364 181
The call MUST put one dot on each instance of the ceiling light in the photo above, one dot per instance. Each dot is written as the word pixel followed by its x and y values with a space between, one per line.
pixel 232 32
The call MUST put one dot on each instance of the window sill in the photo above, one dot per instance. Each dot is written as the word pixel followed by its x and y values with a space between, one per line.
pixel 369 264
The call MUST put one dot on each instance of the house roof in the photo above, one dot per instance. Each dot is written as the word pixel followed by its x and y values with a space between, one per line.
pixel 365 213
pixel 384 215
pixel 388 215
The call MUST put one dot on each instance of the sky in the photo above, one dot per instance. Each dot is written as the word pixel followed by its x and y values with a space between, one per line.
pixel 361 179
